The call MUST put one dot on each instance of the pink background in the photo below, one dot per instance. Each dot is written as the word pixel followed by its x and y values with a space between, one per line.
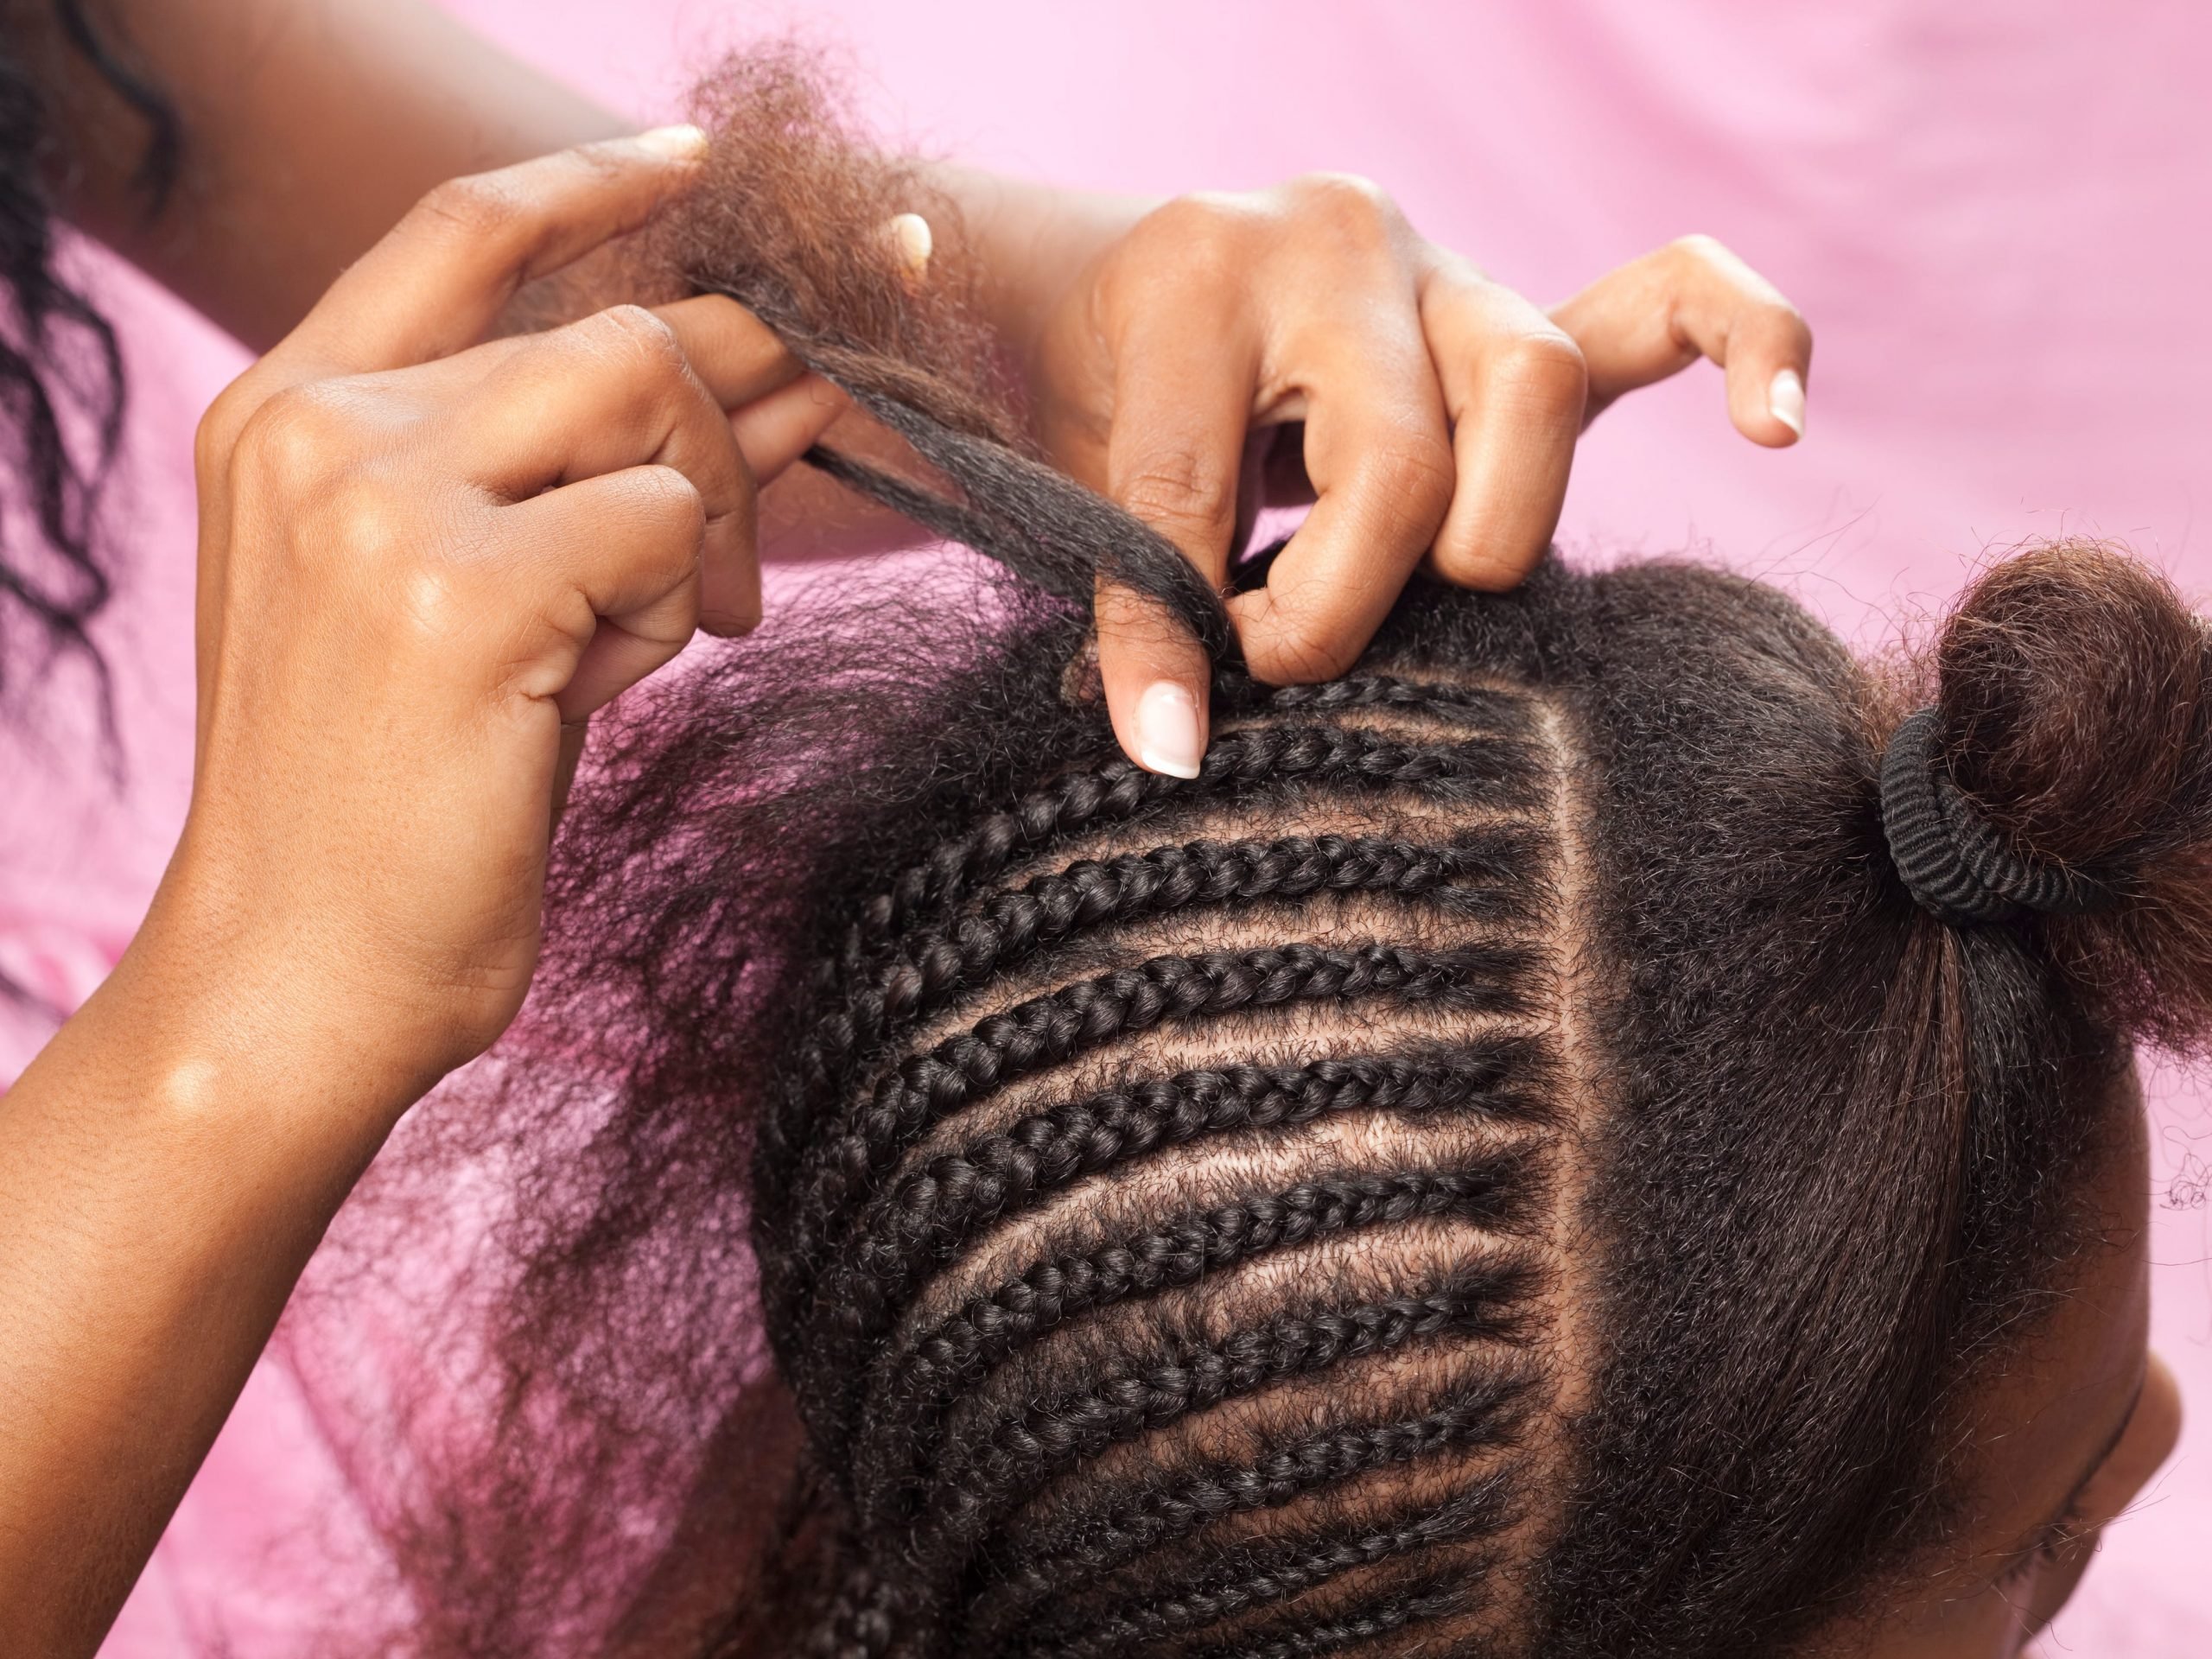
pixel 1993 212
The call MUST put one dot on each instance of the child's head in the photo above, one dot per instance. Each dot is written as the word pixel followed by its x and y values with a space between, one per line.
pixel 1595 1135
pixel 1503 1158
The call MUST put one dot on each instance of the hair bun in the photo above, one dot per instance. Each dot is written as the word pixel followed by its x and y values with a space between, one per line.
pixel 2073 711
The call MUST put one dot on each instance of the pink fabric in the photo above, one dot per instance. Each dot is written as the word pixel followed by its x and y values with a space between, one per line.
pixel 1993 210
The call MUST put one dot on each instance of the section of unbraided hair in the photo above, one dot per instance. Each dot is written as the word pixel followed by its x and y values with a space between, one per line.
pixel 791 219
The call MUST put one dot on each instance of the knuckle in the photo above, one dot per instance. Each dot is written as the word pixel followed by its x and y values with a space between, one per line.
pixel 1476 560
pixel 670 498
pixel 476 206
pixel 1198 239
pixel 1698 248
pixel 1200 216
pixel 295 440
pixel 1543 373
pixel 636 344
pixel 1182 486
pixel 1412 482
pixel 1305 651
pixel 644 331
pixel 216 437
pixel 431 599
pixel 365 521
pixel 1347 205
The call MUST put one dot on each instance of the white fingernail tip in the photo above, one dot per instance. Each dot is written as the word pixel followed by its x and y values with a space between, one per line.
pixel 1785 400
pixel 678 143
pixel 910 236
pixel 1167 731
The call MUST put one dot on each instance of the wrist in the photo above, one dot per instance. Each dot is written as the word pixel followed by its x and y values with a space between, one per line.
pixel 227 1035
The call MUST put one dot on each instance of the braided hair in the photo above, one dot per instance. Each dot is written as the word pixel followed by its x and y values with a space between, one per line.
pixel 1498 1164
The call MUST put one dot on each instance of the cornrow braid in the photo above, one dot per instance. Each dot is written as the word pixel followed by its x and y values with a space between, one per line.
pixel 1470 772
pixel 936 963
pixel 989 1330
pixel 962 1416
pixel 1383 1615
pixel 983 1470
pixel 1049 1030
pixel 1489 770
pixel 1270 1571
pixel 1491 709
pixel 1052 1431
pixel 1473 772
pixel 930 1215
pixel 1065 1556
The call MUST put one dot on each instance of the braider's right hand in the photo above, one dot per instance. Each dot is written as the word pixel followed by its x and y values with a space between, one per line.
pixel 425 560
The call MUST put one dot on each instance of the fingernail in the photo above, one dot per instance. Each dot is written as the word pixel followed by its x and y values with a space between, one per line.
pixel 1167 731
pixel 911 237
pixel 679 143
pixel 1785 400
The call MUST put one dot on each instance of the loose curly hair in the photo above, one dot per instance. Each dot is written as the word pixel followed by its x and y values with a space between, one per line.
pixel 61 381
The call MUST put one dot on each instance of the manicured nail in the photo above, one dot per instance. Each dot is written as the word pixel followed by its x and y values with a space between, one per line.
pixel 1785 400
pixel 1167 731
pixel 679 143
pixel 910 237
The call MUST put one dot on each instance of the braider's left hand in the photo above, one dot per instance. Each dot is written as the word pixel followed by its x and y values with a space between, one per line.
pixel 1221 353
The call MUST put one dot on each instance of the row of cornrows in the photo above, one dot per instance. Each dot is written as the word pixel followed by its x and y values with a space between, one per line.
pixel 928 1466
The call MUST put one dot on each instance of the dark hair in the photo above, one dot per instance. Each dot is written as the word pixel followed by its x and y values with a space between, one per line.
pixel 61 389
pixel 46 385
pixel 1498 1161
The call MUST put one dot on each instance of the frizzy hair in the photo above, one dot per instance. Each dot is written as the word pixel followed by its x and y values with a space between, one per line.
pixel 1498 1162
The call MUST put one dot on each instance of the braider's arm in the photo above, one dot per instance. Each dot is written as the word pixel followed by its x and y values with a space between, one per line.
pixel 308 127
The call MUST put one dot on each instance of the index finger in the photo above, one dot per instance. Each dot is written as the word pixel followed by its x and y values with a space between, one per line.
pixel 440 279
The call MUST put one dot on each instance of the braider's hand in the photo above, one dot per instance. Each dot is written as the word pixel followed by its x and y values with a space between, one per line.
pixel 1304 343
pixel 425 561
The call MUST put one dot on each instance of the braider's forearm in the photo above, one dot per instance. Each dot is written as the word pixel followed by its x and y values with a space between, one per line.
pixel 167 1166
pixel 308 127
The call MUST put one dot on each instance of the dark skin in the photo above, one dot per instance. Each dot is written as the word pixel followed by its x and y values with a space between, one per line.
pixel 1438 409
pixel 430 547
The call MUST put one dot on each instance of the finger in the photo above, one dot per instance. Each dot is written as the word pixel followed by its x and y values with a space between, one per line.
pixel 616 391
pixel 1513 387
pixel 1184 380
pixel 737 357
pixel 615 560
pixel 774 431
pixel 573 734
pixel 778 409
pixel 1381 463
pixel 1690 299
pixel 440 279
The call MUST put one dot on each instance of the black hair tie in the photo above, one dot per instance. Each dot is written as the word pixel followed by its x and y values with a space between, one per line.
pixel 1952 859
